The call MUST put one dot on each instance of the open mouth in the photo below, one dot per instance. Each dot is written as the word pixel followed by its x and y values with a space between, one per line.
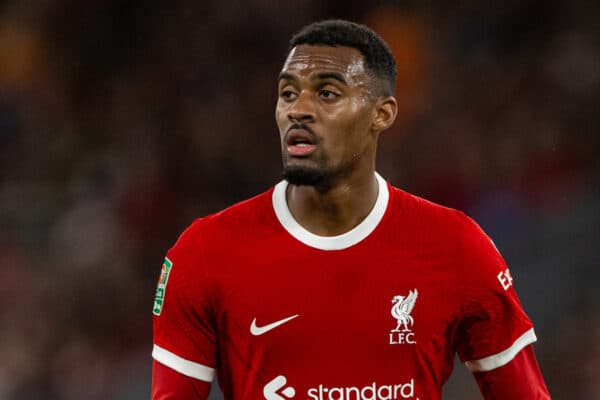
pixel 300 142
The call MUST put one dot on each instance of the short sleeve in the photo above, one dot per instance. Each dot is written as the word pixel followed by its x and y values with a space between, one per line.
pixel 183 318
pixel 494 326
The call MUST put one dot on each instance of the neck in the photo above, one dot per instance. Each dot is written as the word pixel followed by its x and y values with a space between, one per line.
pixel 336 209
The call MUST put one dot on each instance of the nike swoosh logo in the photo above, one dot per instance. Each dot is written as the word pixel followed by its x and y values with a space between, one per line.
pixel 259 330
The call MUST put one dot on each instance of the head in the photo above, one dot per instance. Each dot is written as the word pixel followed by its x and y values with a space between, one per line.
pixel 335 97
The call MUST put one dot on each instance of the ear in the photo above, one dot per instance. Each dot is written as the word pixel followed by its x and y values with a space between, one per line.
pixel 386 109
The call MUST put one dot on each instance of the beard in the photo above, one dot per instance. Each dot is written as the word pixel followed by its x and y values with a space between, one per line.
pixel 303 176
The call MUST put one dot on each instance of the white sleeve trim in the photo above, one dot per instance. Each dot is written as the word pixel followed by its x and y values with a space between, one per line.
pixel 183 366
pixel 504 357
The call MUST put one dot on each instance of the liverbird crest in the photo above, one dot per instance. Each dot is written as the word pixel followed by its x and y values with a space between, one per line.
pixel 401 309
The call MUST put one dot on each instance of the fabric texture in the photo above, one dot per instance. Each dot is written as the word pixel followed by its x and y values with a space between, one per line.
pixel 276 317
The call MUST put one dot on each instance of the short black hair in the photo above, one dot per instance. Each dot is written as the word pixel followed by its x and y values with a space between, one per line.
pixel 336 32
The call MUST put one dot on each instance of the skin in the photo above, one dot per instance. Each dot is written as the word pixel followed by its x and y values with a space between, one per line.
pixel 329 92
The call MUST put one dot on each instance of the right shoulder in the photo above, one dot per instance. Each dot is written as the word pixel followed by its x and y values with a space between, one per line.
pixel 207 234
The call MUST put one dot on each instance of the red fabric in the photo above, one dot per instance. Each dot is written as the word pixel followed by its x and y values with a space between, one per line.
pixel 241 267
pixel 168 384
pixel 492 317
pixel 520 379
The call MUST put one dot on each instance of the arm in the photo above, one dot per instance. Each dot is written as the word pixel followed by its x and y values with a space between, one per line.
pixel 495 336
pixel 168 384
pixel 520 379
pixel 184 349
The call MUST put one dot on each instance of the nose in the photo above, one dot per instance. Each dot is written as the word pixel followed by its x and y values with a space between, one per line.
pixel 302 110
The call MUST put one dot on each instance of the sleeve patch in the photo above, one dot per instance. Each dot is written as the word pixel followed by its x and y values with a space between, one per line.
pixel 504 357
pixel 161 288
pixel 505 279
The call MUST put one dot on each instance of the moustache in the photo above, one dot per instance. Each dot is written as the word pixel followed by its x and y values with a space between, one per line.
pixel 302 127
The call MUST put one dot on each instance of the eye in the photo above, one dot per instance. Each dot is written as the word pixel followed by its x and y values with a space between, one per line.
pixel 287 95
pixel 328 94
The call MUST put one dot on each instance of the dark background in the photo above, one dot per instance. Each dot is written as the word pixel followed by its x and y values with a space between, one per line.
pixel 122 121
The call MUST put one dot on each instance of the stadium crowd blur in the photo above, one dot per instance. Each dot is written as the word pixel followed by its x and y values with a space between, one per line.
pixel 122 121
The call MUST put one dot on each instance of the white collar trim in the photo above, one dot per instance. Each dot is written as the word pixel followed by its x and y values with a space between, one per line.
pixel 339 242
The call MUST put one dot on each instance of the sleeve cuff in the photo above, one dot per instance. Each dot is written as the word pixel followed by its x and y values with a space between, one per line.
pixel 504 357
pixel 183 366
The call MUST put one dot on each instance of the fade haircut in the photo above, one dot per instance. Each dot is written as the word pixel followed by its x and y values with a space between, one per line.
pixel 379 60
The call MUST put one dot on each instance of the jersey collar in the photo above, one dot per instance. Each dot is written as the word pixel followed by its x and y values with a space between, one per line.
pixel 339 242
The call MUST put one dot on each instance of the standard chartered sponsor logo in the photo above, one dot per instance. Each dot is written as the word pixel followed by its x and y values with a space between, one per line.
pixel 370 392
pixel 272 390
pixel 374 391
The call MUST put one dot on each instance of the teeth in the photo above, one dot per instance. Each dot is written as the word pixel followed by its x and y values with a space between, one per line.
pixel 301 144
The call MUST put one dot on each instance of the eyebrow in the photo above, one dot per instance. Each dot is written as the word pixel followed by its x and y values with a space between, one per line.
pixel 332 75
pixel 320 76
pixel 286 76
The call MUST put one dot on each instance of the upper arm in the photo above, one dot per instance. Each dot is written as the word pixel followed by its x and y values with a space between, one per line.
pixel 168 384
pixel 494 327
pixel 494 336
pixel 520 379
pixel 183 321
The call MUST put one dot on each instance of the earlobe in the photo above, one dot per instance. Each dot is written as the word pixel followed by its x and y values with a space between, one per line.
pixel 385 113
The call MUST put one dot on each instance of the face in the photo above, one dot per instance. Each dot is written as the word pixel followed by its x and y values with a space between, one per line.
pixel 325 113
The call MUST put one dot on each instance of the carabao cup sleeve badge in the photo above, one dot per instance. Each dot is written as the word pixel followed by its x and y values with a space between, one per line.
pixel 161 288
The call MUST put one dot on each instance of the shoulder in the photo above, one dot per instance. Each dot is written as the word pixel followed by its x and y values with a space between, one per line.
pixel 238 215
pixel 419 209
pixel 420 213
pixel 449 230
pixel 198 250
pixel 228 224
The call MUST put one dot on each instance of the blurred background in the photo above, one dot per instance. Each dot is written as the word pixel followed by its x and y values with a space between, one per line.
pixel 122 121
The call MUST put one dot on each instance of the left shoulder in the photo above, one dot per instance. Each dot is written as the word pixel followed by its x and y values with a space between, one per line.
pixel 417 211
pixel 436 215
pixel 462 238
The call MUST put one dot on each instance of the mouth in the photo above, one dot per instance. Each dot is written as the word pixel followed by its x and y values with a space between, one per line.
pixel 300 141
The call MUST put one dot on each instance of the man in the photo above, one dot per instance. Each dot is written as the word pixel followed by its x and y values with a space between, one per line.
pixel 335 284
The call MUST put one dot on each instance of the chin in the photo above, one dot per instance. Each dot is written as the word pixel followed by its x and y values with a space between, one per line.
pixel 303 175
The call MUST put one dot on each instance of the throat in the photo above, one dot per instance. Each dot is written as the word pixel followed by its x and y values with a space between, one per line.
pixel 333 213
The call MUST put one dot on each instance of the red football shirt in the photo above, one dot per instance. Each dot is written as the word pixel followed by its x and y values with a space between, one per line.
pixel 376 313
